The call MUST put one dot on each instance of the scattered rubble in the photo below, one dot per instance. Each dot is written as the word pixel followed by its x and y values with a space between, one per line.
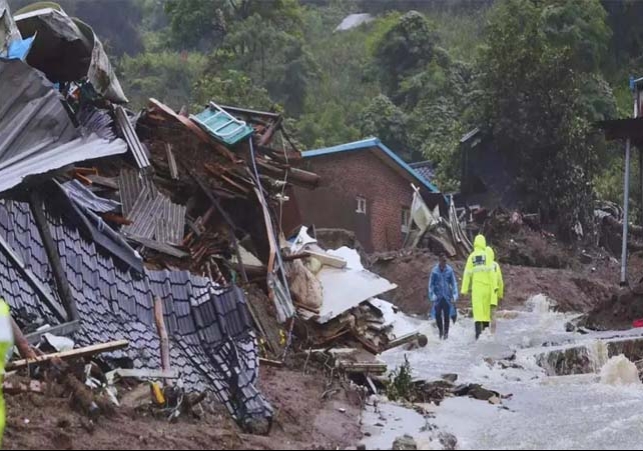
pixel 406 442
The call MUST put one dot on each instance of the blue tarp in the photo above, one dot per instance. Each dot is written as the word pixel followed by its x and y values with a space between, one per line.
pixel 19 49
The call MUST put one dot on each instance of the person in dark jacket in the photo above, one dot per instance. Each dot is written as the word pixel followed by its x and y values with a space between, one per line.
pixel 443 293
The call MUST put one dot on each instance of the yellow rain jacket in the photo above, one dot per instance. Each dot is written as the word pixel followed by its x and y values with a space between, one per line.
pixel 478 277
pixel 499 292
pixel 6 346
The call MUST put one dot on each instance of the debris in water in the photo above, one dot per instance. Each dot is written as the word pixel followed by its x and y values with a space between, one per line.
pixel 406 442
pixel 620 370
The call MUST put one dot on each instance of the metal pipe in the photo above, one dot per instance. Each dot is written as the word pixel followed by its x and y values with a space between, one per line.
pixel 626 197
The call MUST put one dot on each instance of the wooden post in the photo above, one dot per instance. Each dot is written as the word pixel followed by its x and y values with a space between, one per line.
pixel 25 350
pixel 160 326
pixel 62 284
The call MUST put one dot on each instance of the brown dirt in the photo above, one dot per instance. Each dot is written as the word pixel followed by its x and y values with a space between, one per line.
pixel 303 421
pixel 579 289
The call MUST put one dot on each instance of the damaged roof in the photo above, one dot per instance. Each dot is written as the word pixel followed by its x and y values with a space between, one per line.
pixel 38 135
pixel 374 144
pixel 66 49
pixel 208 326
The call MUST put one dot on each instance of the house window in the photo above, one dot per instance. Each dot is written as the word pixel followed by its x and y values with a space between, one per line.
pixel 361 205
pixel 406 220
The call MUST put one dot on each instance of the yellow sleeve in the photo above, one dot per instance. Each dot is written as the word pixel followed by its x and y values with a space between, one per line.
pixel 501 283
pixel 466 276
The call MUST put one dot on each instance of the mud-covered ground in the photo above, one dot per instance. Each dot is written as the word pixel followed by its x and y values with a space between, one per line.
pixel 303 421
pixel 579 289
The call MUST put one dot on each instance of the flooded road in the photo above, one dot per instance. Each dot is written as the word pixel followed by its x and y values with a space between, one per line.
pixel 546 411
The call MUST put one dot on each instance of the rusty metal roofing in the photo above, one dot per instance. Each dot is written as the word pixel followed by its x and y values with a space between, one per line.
pixel 37 134
pixel 83 196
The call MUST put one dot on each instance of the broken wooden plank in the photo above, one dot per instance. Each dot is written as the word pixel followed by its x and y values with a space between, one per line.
pixel 74 353
pixel 171 162
pixel 272 363
pixel 107 182
pixel 117 219
pixel 85 171
pixel 16 388
pixel 51 250
pixel 403 340
pixel 21 342
pixel 362 367
pixel 293 257
pixel 83 179
pixel 162 331
pixel 367 345
pixel 327 259
pixel 143 374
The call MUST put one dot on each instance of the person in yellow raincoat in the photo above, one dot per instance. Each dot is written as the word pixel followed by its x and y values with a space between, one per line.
pixel 6 347
pixel 479 278
pixel 499 292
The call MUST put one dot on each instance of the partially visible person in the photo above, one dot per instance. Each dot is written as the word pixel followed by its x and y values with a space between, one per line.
pixel 6 347
pixel 443 293
pixel 499 292
pixel 480 280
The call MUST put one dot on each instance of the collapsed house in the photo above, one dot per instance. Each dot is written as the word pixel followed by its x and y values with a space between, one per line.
pixel 141 229
pixel 107 217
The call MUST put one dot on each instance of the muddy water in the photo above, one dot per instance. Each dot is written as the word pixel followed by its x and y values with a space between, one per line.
pixel 595 403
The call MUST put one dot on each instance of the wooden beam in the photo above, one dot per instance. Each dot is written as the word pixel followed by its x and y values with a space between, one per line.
pixel 74 353
pixel 162 331
pixel 21 342
pixel 40 289
pixel 215 202
pixel 144 374
pixel 62 284
pixel 273 363
pixel 327 259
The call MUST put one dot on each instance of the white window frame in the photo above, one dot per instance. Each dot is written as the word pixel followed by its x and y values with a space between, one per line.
pixel 361 205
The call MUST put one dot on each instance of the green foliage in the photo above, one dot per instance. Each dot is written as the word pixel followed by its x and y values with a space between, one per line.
pixel 537 73
pixel 404 50
pixel 541 96
pixel 400 384
pixel 230 88
pixel 381 118
pixel 168 76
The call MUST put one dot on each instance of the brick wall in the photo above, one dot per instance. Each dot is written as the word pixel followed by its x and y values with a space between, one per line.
pixel 347 175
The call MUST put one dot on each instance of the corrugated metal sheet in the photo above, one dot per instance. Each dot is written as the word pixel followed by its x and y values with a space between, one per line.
pixel 67 49
pixel 156 217
pixel 37 134
pixel 143 215
pixel 170 224
pixel 129 187
pixel 161 247
pixel 80 194
pixel 135 145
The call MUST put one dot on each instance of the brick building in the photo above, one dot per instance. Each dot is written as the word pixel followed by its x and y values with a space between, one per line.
pixel 365 188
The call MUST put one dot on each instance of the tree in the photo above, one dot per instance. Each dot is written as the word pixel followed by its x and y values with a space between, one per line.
pixel 168 76
pixel 404 50
pixel 382 119
pixel 542 93
pixel 231 88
